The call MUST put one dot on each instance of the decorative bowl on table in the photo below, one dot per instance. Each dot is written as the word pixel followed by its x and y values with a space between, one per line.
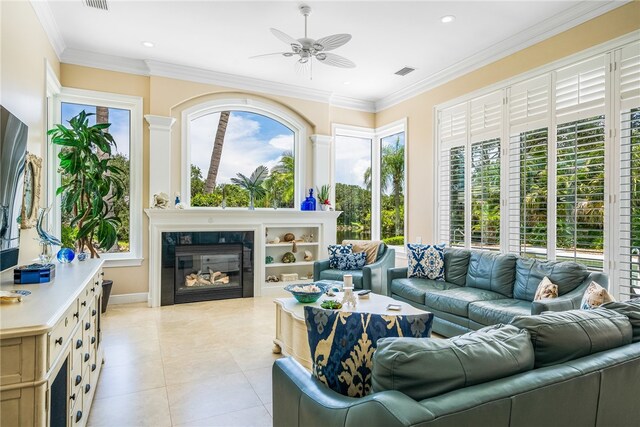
pixel 306 293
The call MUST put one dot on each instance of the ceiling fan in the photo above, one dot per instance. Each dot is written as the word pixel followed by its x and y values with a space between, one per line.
pixel 305 48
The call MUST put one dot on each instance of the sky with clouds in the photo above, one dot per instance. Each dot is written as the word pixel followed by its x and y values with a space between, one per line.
pixel 119 119
pixel 251 140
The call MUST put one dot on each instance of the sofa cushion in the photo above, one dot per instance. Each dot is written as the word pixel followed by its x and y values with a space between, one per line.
pixel 342 344
pixel 595 296
pixel 373 249
pixel 456 301
pixel 558 337
pixel 498 311
pixel 355 261
pixel 546 290
pixel 335 250
pixel 492 272
pixel 426 261
pixel 530 272
pixel 335 274
pixel 422 368
pixel 456 264
pixel 415 290
pixel 631 309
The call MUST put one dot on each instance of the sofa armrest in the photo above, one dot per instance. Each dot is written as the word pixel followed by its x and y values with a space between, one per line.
pixel 395 273
pixel 374 276
pixel 301 400
pixel 570 300
pixel 318 267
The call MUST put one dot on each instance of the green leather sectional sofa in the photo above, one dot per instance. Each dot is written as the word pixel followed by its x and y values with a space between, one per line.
pixel 483 288
pixel 575 368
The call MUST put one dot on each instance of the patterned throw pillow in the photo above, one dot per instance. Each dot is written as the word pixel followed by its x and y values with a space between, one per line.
pixel 351 261
pixel 426 261
pixel 342 344
pixel 595 296
pixel 546 289
pixel 335 250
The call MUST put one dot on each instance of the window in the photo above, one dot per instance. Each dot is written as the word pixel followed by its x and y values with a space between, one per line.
pixel 125 115
pixel 353 187
pixel 546 171
pixel 392 177
pixel 224 144
pixel 369 181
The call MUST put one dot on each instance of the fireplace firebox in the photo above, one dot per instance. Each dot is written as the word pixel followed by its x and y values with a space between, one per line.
pixel 202 266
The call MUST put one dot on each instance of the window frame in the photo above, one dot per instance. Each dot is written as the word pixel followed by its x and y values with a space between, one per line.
pixel 134 105
pixel 248 105
pixel 375 135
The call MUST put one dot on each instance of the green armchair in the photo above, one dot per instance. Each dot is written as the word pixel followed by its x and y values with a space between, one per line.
pixel 373 276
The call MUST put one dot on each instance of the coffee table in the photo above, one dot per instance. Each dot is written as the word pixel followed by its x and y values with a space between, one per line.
pixel 291 331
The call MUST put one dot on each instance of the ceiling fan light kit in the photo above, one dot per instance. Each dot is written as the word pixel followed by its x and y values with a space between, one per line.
pixel 307 48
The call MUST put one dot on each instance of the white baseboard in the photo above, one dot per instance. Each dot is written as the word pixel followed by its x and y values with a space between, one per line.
pixel 128 298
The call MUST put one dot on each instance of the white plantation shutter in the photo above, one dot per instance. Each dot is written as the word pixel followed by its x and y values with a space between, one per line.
pixel 486 117
pixel 451 200
pixel 529 104
pixel 630 76
pixel 485 194
pixel 580 90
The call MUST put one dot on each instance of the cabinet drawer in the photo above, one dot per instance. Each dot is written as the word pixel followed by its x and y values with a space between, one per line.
pixel 76 415
pixel 17 363
pixel 77 349
pixel 61 333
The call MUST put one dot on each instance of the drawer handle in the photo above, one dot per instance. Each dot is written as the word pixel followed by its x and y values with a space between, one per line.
pixel 87 388
pixel 93 367
pixel 93 289
pixel 59 341
pixel 73 396
pixel 78 416
pixel 76 314
pixel 78 344
pixel 93 340
pixel 83 303
pixel 86 356
pixel 102 273
pixel 94 312
pixel 87 326
pixel 78 380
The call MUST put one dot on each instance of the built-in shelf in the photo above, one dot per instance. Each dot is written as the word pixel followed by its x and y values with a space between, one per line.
pixel 288 264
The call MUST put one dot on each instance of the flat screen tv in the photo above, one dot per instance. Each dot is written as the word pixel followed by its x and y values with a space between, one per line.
pixel 13 151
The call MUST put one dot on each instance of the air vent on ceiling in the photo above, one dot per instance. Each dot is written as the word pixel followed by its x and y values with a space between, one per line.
pixel 97 4
pixel 404 71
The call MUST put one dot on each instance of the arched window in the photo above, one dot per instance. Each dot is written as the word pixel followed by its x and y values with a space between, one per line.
pixel 227 146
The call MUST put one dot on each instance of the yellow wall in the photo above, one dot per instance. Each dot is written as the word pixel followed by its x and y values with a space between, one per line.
pixel 24 47
pixel 419 110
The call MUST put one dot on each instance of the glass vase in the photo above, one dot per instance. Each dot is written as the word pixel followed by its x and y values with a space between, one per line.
pixel 46 253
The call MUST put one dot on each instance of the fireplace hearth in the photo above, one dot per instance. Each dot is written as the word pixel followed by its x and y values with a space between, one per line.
pixel 202 266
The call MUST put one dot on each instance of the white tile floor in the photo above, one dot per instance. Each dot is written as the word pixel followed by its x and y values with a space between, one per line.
pixel 198 364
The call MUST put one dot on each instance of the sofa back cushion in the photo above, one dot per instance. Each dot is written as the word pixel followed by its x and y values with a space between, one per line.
pixel 492 272
pixel 422 368
pixel 530 272
pixel 631 309
pixel 456 265
pixel 558 337
pixel 342 344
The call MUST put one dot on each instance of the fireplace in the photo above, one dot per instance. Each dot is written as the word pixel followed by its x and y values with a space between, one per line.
pixel 202 266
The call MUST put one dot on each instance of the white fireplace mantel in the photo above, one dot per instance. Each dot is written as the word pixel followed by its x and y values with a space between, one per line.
pixel 231 219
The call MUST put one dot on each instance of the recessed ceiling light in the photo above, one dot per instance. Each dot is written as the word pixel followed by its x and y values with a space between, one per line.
pixel 346 83
pixel 148 44
pixel 447 18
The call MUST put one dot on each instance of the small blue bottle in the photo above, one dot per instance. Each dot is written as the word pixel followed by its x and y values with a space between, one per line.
pixel 309 204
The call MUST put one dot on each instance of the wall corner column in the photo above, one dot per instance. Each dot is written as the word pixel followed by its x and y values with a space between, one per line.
pixel 159 154
pixel 322 162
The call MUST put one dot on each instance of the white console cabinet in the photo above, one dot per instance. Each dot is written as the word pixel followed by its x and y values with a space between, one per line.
pixel 50 348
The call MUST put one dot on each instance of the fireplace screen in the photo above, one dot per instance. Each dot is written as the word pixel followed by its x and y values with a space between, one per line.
pixel 210 267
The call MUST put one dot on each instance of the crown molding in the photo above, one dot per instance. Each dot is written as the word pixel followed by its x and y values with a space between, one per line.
pixel 105 62
pixel 368 106
pixel 557 24
pixel 48 22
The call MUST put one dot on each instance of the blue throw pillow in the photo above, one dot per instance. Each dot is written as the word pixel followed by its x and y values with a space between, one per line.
pixel 335 250
pixel 351 261
pixel 342 344
pixel 426 261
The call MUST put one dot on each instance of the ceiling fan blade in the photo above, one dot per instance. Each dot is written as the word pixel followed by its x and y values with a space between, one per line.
pixel 284 37
pixel 334 41
pixel 270 54
pixel 335 60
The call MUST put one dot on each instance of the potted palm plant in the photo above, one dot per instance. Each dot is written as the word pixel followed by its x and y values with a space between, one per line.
pixel 90 182
pixel 253 184
pixel 323 194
